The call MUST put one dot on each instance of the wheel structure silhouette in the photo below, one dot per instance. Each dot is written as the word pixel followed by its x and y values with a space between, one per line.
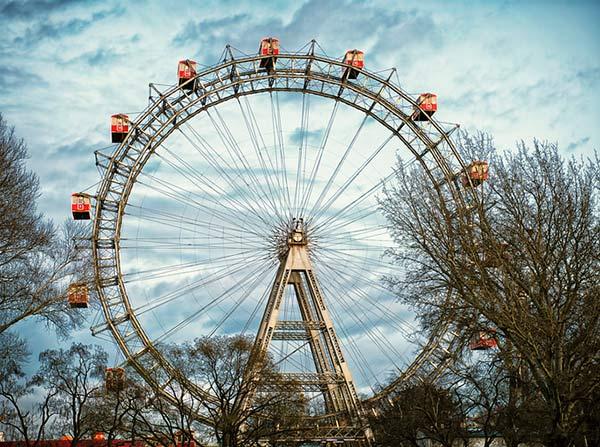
pixel 245 200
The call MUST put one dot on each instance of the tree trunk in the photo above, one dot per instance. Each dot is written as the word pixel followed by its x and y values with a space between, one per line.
pixel 229 439
pixel 561 440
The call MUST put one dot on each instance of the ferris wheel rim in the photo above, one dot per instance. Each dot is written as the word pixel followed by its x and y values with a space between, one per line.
pixel 106 197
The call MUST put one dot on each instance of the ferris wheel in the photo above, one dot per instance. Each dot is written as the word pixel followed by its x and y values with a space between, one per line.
pixel 244 199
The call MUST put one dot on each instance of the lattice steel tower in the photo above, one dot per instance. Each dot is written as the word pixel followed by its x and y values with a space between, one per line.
pixel 344 417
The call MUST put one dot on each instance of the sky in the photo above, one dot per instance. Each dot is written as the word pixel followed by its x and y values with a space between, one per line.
pixel 517 70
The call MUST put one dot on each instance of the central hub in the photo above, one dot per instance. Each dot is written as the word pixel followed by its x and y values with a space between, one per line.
pixel 288 235
pixel 297 235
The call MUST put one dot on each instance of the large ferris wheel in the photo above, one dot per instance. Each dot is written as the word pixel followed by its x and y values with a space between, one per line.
pixel 244 199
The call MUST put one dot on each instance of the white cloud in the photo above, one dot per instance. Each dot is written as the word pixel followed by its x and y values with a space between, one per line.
pixel 516 71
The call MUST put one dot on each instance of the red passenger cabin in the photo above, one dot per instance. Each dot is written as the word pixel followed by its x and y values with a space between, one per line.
pixel 81 206
pixel 119 126
pixel 186 70
pixel 77 295
pixel 185 438
pixel 356 60
pixel 114 380
pixel 483 340
pixel 427 106
pixel 269 49
pixel 477 172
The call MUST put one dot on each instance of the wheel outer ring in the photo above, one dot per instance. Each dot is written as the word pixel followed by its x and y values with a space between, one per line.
pixel 373 95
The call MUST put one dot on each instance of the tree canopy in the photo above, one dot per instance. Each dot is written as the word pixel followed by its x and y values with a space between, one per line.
pixel 522 263
pixel 247 407
pixel 36 260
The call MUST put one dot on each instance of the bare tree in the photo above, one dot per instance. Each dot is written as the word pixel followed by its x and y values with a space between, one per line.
pixel 14 353
pixel 75 377
pixel 137 412
pixel 36 260
pixel 111 413
pixel 524 262
pixel 495 399
pixel 420 412
pixel 245 410
pixel 24 411
pixel 163 421
pixel 25 420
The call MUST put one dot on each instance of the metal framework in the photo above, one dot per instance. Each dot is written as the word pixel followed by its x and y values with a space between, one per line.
pixel 236 77
pixel 332 377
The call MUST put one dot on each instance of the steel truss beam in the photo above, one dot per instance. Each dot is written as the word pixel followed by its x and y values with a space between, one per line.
pixel 332 377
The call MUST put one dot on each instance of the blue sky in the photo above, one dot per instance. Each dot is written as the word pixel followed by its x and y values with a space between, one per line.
pixel 517 70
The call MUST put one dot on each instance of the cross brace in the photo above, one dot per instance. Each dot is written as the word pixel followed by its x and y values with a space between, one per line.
pixel 332 377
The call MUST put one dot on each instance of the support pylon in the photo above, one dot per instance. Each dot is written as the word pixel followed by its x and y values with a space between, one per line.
pixel 344 419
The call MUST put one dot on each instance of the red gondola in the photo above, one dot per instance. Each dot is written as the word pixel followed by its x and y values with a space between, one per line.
pixel 427 107
pixel 114 380
pixel 269 46
pixel 356 60
pixel 484 340
pixel 477 172
pixel 81 206
pixel 119 126
pixel 77 295
pixel 186 70
pixel 185 438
